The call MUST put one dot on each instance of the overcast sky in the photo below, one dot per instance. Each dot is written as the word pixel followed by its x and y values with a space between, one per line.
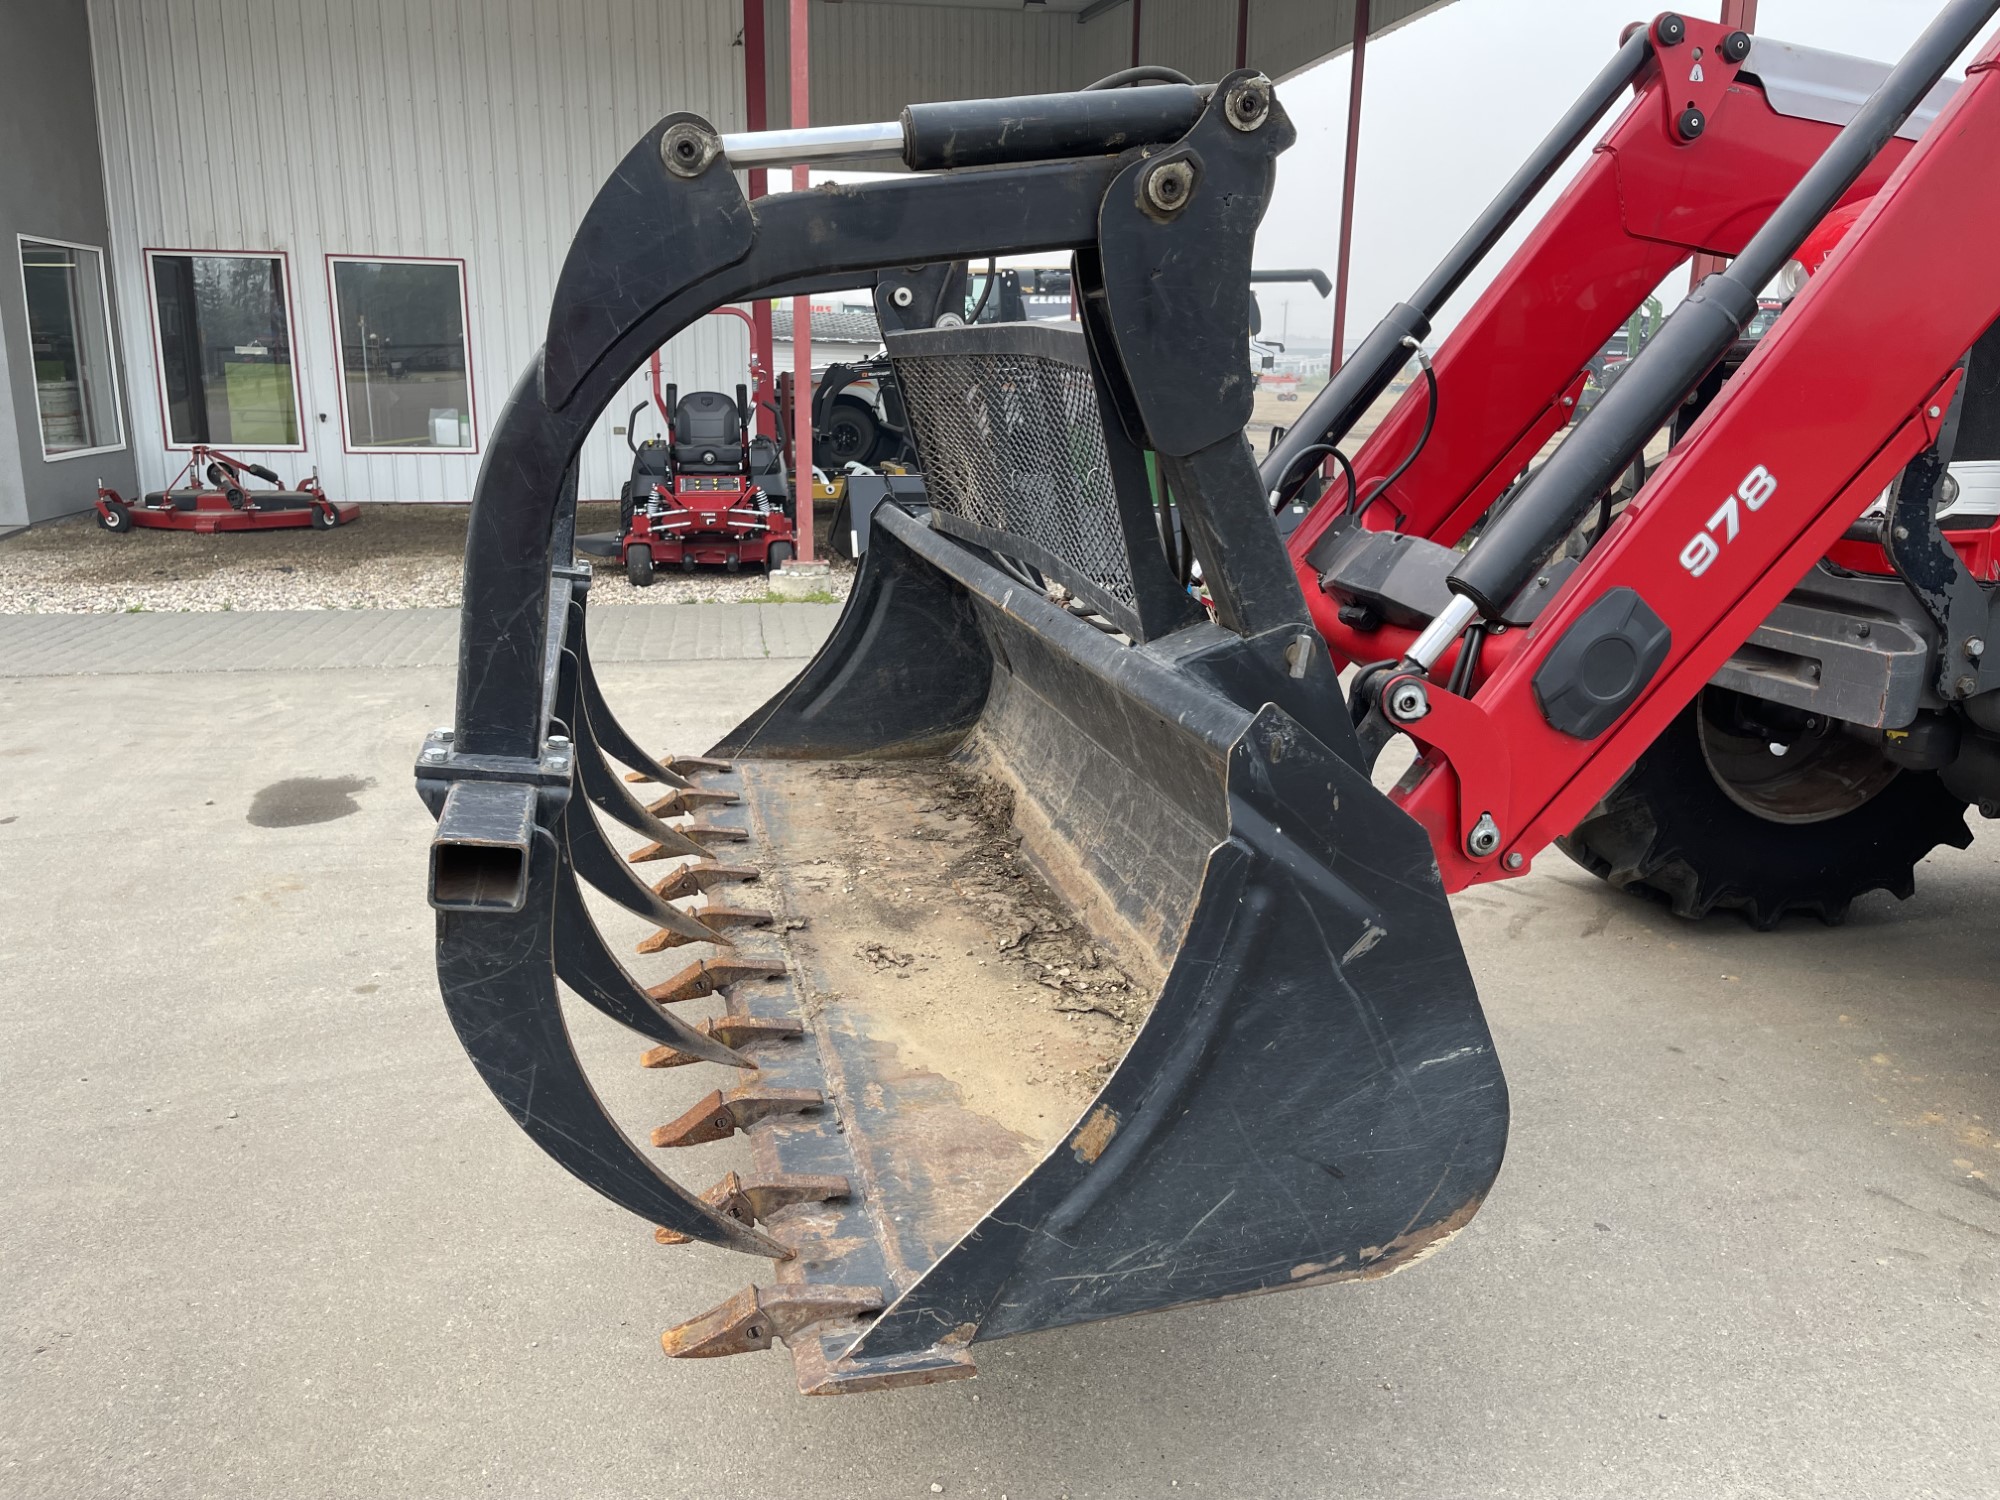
pixel 1452 104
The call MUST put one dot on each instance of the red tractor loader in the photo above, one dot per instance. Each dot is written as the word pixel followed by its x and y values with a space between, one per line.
pixel 1066 960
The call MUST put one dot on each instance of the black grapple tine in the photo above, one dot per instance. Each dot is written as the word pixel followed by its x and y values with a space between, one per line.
pixel 600 783
pixel 612 737
pixel 593 858
pixel 498 976
pixel 587 965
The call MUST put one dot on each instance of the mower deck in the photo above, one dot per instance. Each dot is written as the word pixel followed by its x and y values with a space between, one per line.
pixel 222 517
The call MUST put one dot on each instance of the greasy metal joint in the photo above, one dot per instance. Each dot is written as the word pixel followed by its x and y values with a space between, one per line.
pixel 688 148
pixel 1408 702
pixel 1484 838
pixel 1168 185
pixel 1249 104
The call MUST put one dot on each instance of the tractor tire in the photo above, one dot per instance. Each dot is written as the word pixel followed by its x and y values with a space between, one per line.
pixel 639 567
pixel 1709 819
pixel 777 555
pixel 850 434
pixel 114 515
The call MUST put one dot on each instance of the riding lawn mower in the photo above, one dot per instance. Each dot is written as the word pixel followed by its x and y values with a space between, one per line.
pixel 1063 955
pixel 695 495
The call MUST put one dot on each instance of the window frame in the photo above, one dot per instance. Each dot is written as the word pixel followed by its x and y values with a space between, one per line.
pixel 148 255
pixel 340 355
pixel 21 243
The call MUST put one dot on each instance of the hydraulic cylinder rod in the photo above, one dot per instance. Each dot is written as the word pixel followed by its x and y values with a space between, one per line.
pixel 1700 331
pixel 989 132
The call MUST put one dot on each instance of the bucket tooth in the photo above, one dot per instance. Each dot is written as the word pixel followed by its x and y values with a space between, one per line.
pixel 729 1031
pixel 592 857
pixel 716 920
pixel 694 765
pixel 756 1315
pixel 753 1199
pixel 721 1115
pixel 679 766
pixel 693 879
pixel 707 975
pixel 585 963
pixel 677 801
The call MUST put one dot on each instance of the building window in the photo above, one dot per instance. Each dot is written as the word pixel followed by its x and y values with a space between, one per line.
pixel 69 334
pixel 405 379
pixel 224 326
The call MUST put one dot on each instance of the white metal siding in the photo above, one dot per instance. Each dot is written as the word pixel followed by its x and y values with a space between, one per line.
pixel 472 129
pixel 1103 45
pixel 869 60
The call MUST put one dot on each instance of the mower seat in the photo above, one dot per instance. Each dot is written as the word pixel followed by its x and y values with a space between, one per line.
pixel 708 434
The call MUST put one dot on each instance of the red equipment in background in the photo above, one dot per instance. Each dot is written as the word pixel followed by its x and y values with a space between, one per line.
pixel 692 498
pixel 212 493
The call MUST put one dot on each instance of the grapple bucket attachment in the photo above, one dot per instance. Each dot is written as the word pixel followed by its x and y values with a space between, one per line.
pixel 1067 962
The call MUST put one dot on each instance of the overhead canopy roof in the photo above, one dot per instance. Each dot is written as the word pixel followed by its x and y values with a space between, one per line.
pixel 871 57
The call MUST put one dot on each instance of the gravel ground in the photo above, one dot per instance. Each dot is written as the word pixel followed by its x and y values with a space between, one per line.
pixel 394 557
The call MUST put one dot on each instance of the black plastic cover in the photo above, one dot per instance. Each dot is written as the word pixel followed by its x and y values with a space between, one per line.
pixel 1601 664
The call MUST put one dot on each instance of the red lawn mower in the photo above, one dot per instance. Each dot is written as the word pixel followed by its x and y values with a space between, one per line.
pixel 213 494
pixel 692 498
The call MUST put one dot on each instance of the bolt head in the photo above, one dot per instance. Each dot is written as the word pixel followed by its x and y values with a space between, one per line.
pixel 1169 185
pixel 1933 413
pixel 1409 702
pixel 1965 686
pixel 432 754
pixel 1515 860
pixel 1975 647
pixel 902 296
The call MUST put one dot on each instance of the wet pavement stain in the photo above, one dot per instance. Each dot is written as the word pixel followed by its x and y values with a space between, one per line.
pixel 306 799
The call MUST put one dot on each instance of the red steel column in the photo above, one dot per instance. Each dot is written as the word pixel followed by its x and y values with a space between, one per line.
pixel 1739 15
pixel 1347 183
pixel 756 106
pixel 802 379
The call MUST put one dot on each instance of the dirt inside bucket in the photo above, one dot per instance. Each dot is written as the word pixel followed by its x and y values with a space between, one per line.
pixel 920 915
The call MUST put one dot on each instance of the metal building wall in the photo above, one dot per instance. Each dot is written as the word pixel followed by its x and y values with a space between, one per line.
pixel 870 59
pixel 474 129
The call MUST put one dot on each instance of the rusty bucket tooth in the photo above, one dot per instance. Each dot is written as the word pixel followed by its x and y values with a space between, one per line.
pixel 715 919
pixel 707 975
pixel 587 852
pixel 711 833
pixel 721 1115
pixel 732 1032
pixel 676 801
pixel 753 1199
pixel 684 765
pixel 693 879
pixel 758 1314
pixel 694 765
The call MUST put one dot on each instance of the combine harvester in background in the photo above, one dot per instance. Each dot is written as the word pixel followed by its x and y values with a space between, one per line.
pixel 1089 973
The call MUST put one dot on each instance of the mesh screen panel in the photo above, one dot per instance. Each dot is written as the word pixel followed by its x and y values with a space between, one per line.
pixel 1011 441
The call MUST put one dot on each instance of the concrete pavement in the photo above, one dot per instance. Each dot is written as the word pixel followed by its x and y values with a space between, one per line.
pixel 266 1234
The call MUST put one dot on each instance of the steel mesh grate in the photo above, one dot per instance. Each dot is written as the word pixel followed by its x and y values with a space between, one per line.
pixel 1011 441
